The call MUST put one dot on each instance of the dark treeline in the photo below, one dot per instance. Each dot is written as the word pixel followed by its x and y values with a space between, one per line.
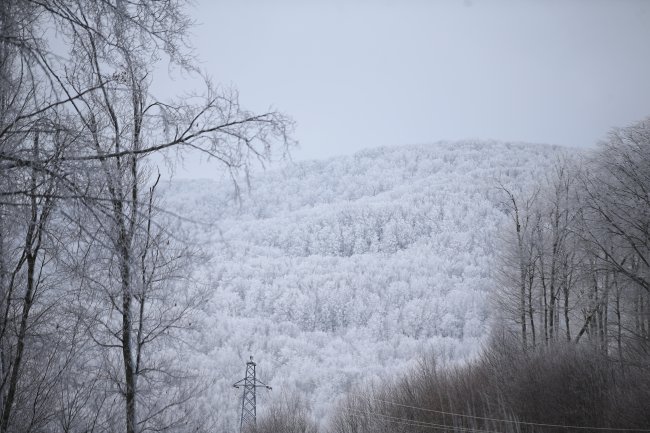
pixel 507 390
pixel 564 388
pixel 287 414
pixel 569 350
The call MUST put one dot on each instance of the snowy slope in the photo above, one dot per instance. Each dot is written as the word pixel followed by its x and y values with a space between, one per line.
pixel 333 272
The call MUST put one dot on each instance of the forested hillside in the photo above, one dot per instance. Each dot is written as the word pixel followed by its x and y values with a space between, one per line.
pixel 569 341
pixel 457 287
pixel 351 269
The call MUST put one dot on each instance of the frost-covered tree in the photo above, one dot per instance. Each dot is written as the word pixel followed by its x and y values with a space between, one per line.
pixel 75 128
pixel 582 264
pixel 519 261
pixel 617 235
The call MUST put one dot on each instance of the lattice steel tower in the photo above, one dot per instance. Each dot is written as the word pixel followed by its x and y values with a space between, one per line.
pixel 249 383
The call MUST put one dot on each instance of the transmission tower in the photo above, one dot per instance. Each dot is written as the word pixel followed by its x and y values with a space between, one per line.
pixel 249 383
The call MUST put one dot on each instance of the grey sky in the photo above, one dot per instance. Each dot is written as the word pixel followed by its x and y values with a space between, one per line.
pixel 358 74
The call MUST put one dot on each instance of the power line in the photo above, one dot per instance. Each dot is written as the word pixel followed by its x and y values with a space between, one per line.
pixel 506 420
pixel 415 423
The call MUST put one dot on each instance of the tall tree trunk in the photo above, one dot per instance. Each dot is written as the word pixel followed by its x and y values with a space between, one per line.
pixel 567 325
pixel 31 249
pixel 20 344
pixel 130 383
pixel 642 316
pixel 522 291
pixel 545 309
pixel 531 310
pixel 619 325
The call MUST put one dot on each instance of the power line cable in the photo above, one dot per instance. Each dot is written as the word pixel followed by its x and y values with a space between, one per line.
pixel 415 423
pixel 535 424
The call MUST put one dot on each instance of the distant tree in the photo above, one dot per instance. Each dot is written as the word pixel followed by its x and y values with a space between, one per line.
pixel 519 262
pixel 558 265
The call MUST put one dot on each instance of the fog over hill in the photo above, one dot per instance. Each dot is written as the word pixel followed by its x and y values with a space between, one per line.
pixel 345 270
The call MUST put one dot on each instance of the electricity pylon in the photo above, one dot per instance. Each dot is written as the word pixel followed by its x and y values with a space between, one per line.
pixel 249 383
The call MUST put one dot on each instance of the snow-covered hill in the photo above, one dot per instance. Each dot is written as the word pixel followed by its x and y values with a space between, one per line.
pixel 345 270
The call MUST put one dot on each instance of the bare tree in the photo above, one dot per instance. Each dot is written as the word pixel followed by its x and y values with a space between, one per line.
pixel 617 201
pixel 559 257
pixel 75 130
pixel 519 263
pixel 577 261
pixel 616 233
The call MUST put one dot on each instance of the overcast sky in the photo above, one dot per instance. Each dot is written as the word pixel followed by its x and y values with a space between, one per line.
pixel 356 74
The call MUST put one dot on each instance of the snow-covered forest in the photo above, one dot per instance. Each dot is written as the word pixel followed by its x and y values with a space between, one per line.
pixel 351 269
pixel 454 286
